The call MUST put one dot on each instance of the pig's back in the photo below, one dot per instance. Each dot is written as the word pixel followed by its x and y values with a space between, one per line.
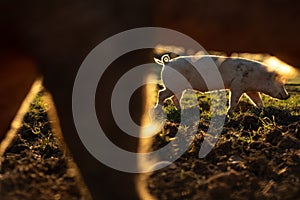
pixel 242 70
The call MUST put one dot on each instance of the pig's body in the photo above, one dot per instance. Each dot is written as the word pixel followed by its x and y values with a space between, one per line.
pixel 239 76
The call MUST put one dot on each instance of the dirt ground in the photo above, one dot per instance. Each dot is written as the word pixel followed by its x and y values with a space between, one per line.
pixel 35 166
pixel 256 157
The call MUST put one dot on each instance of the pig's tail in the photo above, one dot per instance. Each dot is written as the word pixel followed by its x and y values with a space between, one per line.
pixel 165 58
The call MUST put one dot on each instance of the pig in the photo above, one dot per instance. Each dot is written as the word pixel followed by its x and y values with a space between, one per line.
pixel 240 76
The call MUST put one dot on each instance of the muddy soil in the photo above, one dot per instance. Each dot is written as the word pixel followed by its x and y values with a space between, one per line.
pixel 256 157
pixel 35 166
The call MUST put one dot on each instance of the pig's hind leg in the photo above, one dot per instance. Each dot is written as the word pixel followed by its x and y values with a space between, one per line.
pixel 162 95
pixel 166 93
pixel 255 98
pixel 176 100
pixel 234 97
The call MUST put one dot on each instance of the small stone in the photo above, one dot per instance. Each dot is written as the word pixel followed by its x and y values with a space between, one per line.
pixel 172 166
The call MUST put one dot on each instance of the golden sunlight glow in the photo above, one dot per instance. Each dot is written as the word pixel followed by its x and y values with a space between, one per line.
pixel 162 49
pixel 283 69
pixel 150 127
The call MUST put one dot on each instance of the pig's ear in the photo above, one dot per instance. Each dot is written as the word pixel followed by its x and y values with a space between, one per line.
pixel 278 78
pixel 273 76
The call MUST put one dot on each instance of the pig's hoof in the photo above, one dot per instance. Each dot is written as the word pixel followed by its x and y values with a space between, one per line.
pixel 230 112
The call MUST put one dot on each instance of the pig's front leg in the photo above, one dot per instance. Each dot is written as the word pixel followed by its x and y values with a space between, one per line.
pixel 166 93
pixel 176 100
pixel 162 95
pixel 255 98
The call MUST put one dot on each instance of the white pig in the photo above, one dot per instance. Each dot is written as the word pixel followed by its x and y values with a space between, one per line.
pixel 240 76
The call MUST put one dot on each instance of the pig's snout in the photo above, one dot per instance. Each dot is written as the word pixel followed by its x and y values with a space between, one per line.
pixel 282 93
pixel 284 96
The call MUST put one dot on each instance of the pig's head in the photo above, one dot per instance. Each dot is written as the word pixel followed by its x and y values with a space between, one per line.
pixel 275 87
pixel 281 92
